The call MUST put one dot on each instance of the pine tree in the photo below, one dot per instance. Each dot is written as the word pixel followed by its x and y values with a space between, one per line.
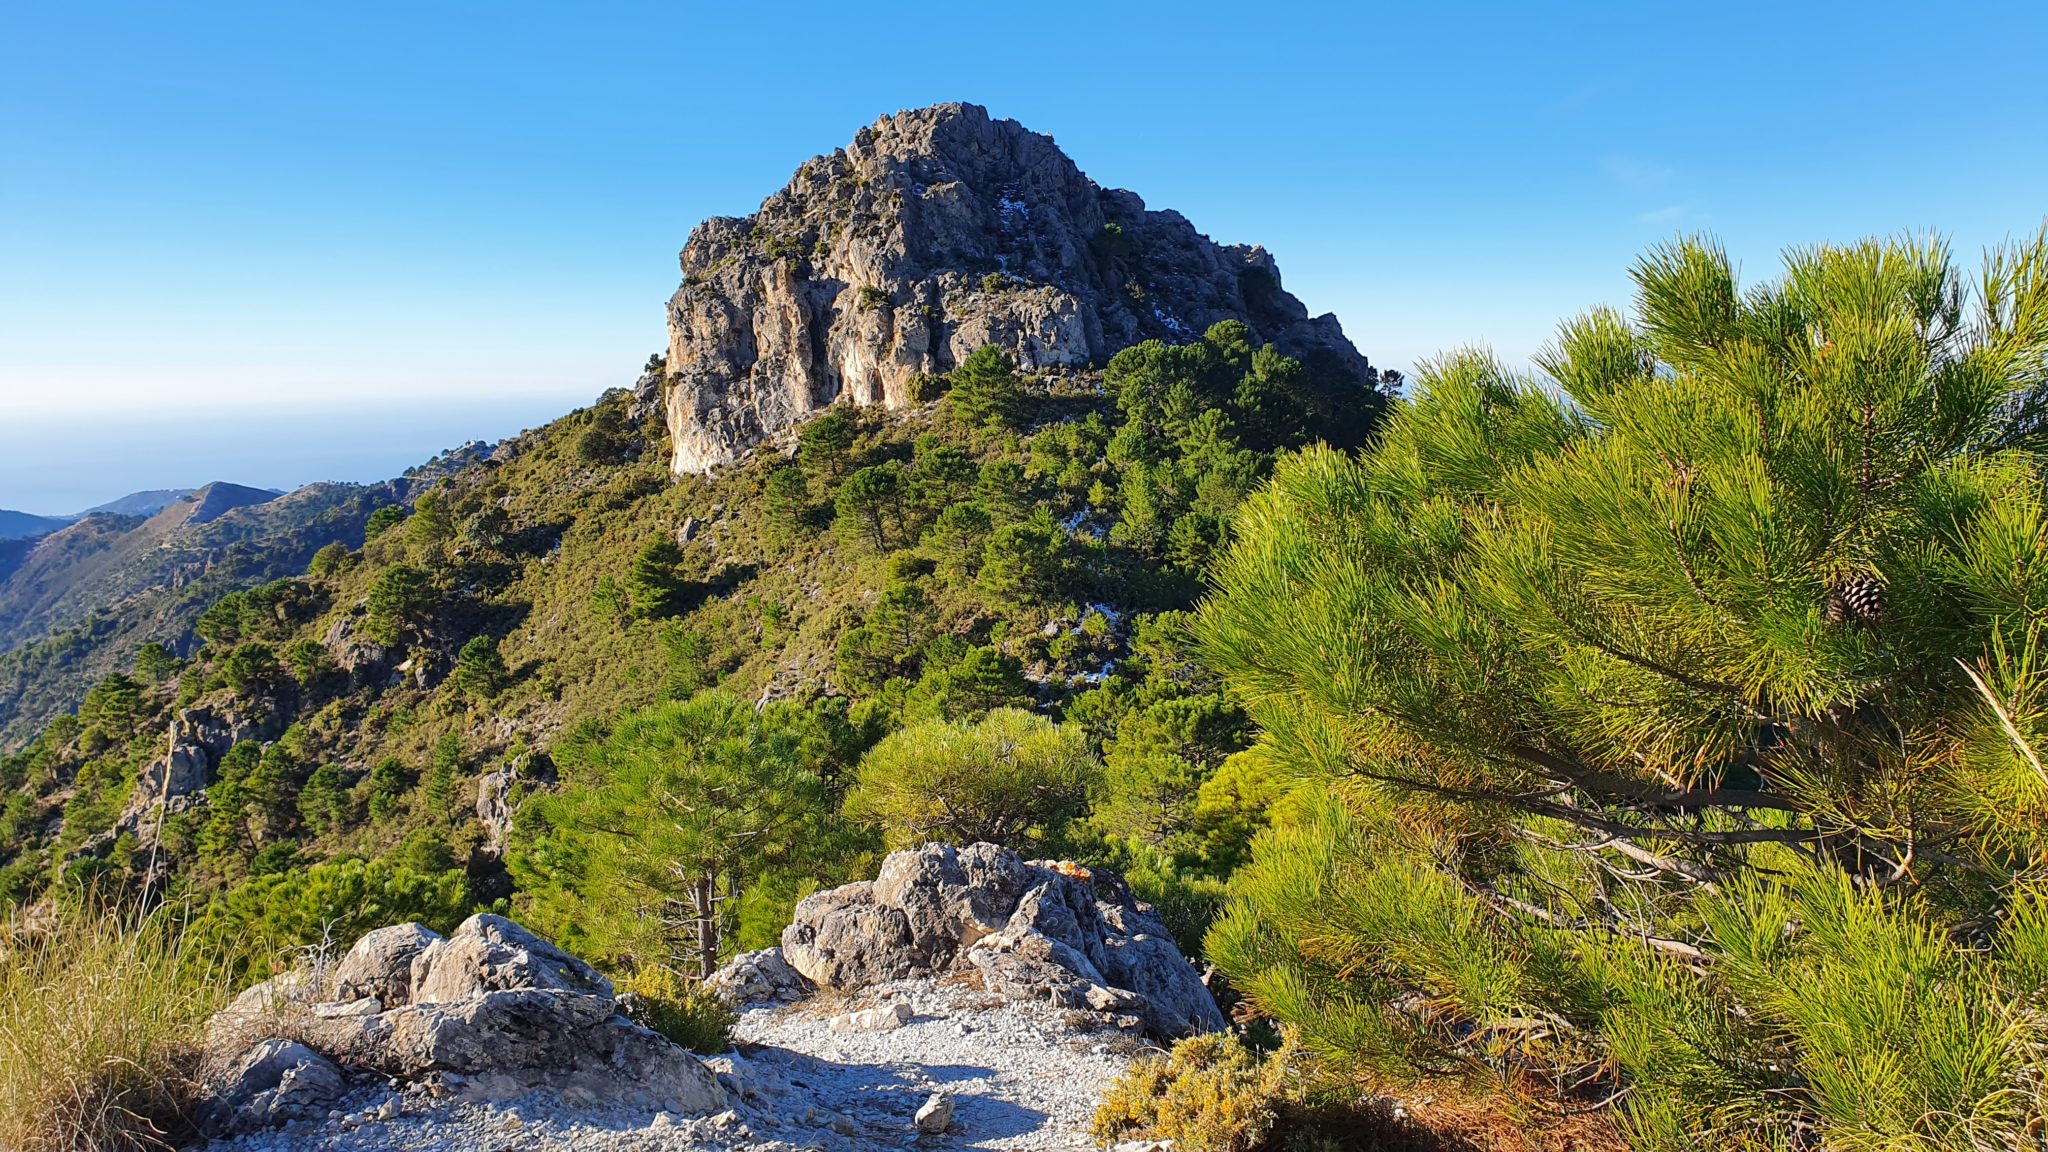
pixel 656 582
pixel 399 602
pixel 438 788
pixel 155 663
pixel 682 806
pixel 986 390
pixel 869 504
pixel 1690 708
pixel 824 445
pixel 480 668
pixel 1008 778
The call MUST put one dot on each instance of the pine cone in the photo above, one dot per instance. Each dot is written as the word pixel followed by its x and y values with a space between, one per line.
pixel 1856 598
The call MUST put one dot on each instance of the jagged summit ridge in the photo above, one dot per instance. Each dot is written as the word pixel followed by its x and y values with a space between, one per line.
pixel 936 231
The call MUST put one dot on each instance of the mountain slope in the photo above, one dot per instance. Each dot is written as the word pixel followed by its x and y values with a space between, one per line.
pixel 104 559
pixel 81 602
pixel 1004 538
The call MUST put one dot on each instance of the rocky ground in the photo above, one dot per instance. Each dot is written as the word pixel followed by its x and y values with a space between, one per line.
pixel 964 998
pixel 1019 1076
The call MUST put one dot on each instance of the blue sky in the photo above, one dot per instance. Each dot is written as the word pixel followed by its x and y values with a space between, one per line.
pixel 429 221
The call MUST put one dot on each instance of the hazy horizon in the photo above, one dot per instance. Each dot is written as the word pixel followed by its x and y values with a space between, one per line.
pixel 59 465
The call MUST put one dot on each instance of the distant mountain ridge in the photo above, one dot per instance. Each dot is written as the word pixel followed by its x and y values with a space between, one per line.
pixel 28 525
pixel 147 503
pixel 79 602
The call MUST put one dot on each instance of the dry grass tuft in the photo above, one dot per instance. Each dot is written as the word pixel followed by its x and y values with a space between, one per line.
pixel 102 1018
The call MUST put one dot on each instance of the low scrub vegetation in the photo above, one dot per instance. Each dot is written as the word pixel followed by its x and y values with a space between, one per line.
pixel 679 1008
pixel 102 1019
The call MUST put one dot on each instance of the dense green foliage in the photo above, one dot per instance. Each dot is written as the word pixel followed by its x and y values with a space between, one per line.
pixel 1670 738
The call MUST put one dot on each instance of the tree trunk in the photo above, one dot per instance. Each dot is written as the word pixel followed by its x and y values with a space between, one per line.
pixel 707 925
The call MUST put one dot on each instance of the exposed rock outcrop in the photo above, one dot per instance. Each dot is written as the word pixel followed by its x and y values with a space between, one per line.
pixel 1034 931
pixel 939 230
pixel 193 745
pixel 489 1011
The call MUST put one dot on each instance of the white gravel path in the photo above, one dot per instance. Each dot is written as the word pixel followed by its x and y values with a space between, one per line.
pixel 1022 1077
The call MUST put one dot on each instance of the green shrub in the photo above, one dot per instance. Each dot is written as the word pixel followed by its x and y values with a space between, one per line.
pixel 1009 778
pixel 606 440
pixel 1210 1094
pixel 686 1012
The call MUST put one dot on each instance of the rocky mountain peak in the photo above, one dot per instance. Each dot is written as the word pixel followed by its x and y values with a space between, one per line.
pixel 936 231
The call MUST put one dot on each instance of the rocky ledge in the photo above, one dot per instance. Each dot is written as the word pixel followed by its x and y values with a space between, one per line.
pixel 937 231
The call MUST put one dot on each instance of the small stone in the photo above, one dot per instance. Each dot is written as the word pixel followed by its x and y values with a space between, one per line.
pixel 885 1019
pixel 367 1006
pixel 726 1119
pixel 843 1125
pixel 936 1115
pixel 390 1109
pixel 663 1120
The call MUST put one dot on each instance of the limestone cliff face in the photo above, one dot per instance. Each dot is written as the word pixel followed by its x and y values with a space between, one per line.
pixel 935 232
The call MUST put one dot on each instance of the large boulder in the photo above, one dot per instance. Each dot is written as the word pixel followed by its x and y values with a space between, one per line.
pixel 380 964
pixel 490 953
pixel 1032 930
pixel 491 1008
pixel 276 1082
pixel 844 938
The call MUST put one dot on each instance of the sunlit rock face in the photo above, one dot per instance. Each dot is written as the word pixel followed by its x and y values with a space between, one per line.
pixel 935 232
